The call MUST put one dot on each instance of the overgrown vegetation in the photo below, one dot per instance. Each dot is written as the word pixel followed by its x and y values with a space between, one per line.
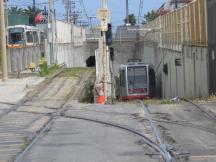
pixel 88 96
pixel 87 88
pixel 168 101
pixel 74 72
pixel 44 70
pixel 161 101
pixel 150 16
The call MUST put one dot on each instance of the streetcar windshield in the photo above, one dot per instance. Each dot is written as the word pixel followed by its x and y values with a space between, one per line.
pixel 16 35
pixel 137 77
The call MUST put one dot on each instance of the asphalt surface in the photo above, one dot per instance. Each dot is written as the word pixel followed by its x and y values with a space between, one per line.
pixel 188 130
pixel 189 134
pixel 73 140
pixel 20 123
pixel 184 129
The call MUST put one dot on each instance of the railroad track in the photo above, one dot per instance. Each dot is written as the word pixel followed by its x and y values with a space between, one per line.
pixel 186 124
pixel 207 114
pixel 43 95
pixel 158 146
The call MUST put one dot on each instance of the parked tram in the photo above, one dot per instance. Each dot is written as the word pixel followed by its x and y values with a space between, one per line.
pixel 137 81
pixel 20 36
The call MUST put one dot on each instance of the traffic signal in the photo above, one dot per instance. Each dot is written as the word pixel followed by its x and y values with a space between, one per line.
pixel 109 35
pixel 111 54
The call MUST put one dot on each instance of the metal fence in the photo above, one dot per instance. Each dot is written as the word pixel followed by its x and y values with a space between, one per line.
pixel 119 33
pixel 186 25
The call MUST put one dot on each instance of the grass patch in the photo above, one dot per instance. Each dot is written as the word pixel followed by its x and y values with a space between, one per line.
pixel 168 101
pixel 45 71
pixel 75 72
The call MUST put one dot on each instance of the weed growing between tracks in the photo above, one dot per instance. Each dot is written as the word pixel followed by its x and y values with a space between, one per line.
pixel 86 88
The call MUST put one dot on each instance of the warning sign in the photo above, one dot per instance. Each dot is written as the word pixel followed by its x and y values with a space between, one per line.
pixel 103 14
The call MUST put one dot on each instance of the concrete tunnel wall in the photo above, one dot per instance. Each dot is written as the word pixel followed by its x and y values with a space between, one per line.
pixel 123 51
pixel 188 80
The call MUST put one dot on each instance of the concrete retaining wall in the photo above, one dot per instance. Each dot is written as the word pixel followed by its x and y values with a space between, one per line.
pixel 71 56
pixel 123 51
pixel 190 79
pixel 21 58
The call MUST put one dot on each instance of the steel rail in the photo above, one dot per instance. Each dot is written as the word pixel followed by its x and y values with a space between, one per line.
pixel 168 156
pixel 33 141
pixel 146 139
pixel 206 113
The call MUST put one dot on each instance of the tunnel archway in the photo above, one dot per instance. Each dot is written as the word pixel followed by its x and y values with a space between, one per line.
pixel 90 61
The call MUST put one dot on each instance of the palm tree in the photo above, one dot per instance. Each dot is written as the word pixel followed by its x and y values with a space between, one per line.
pixel 15 11
pixel 29 11
pixel 132 19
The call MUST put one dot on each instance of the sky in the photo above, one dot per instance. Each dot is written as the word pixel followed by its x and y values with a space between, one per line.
pixel 117 8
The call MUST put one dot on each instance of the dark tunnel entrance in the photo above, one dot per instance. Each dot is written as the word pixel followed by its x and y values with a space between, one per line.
pixel 90 62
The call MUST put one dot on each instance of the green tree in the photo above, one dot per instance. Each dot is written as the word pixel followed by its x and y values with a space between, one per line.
pixel 15 11
pixel 150 16
pixel 30 12
pixel 132 19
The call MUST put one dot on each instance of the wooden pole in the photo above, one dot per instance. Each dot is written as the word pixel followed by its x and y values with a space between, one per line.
pixel 3 42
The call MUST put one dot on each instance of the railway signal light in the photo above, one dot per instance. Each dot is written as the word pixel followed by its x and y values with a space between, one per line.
pixel 109 35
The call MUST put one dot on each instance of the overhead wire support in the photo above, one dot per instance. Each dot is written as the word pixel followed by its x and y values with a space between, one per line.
pixel 52 32
pixel 127 12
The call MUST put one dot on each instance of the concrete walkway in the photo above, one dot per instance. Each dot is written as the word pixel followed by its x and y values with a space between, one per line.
pixel 13 90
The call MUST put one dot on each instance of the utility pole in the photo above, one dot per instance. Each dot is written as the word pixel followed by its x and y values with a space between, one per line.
pixel 34 12
pixel 68 7
pixel 107 83
pixel 52 32
pixel 127 12
pixel 176 4
pixel 3 42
